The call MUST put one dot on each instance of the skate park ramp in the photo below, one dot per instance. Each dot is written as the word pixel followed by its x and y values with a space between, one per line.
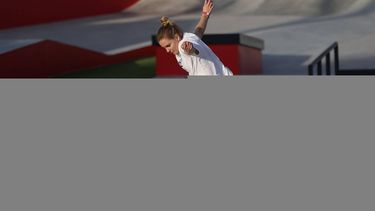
pixel 15 13
pixel 254 7
pixel 294 31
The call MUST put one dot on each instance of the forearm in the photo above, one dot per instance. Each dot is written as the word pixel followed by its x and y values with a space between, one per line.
pixel 201 26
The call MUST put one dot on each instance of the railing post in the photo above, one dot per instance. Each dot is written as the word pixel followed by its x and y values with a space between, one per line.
pixel 336 59
pixel 328 64
pixel 311 69
pixel 320 67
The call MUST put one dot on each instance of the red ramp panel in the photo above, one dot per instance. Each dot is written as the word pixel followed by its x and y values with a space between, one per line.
pixel 50 58
pixel 15 13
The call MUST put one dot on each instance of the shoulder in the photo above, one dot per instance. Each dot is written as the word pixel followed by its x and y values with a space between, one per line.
pixel 190 37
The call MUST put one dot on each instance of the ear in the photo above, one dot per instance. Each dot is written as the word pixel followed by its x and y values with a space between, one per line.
pixel 177 37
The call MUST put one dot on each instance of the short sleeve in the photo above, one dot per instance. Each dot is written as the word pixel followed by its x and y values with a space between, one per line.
pixel 192 38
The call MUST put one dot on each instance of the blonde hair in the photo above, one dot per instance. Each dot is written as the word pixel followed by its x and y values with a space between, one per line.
pixel 168 29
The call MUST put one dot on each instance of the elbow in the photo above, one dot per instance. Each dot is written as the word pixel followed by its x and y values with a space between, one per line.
pixel 199 29
pixel 199 32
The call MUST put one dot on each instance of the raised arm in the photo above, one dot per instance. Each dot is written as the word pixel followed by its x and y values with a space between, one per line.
pixel 202 24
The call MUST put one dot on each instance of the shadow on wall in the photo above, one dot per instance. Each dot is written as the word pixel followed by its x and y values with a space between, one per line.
pixel 274 64
pixel 352 62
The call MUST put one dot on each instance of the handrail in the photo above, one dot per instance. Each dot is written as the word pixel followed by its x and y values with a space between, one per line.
pixel 326 54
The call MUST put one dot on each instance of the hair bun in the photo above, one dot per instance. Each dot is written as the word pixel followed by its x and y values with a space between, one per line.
pixel 165 21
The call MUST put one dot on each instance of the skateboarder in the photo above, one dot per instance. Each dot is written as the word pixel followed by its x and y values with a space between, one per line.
pixel 192 54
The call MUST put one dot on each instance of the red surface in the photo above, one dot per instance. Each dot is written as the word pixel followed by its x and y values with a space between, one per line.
pixel 15 13
pixel 228 54
pixel 239 59
pixel 250 61
pixel 166 64
pixel 50 58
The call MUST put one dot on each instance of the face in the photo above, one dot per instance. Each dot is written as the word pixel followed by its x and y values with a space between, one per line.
pixel 170 45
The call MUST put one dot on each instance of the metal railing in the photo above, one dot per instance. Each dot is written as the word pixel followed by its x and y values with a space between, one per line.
pixel 318 62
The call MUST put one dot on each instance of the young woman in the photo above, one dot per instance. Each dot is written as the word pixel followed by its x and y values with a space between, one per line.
pixel 191 52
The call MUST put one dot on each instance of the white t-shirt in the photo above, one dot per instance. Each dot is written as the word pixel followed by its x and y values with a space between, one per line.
pixel 205 63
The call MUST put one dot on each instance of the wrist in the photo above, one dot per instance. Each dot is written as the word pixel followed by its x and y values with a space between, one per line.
pixel 205 14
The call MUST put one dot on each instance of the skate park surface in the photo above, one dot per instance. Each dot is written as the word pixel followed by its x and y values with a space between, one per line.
pixel 294 31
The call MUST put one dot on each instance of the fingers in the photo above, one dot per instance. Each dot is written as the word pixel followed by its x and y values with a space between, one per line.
pixel 187 47
pixel 211 6
pixel 208 6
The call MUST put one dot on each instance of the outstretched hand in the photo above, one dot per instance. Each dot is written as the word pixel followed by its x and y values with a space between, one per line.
pixel 208 6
